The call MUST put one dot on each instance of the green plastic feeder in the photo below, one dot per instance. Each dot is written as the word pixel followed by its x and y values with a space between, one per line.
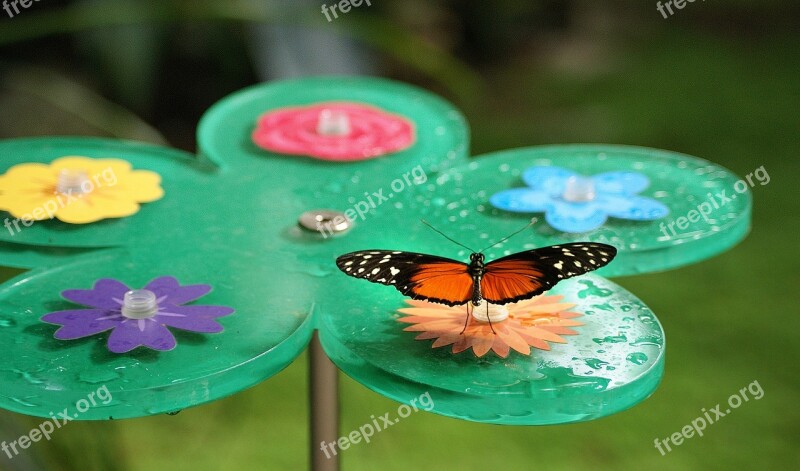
pixel 229 218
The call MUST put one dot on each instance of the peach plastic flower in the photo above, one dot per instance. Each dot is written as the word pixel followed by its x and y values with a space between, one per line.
pixel 77 190
pixel 530 323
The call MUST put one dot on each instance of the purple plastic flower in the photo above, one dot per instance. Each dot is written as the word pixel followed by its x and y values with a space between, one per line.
pixel 136 317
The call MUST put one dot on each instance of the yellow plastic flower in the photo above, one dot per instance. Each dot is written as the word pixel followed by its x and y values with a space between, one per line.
pixel 77 190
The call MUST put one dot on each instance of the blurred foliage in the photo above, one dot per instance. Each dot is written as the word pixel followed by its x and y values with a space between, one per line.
pixel 717 80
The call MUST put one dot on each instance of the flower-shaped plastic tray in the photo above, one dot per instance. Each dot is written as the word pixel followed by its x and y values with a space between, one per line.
pixel 228 218
pixel 707 212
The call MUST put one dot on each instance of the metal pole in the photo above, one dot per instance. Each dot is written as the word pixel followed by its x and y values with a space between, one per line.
pixel 324 408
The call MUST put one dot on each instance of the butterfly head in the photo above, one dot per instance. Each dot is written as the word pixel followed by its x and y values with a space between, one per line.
pixel 476 257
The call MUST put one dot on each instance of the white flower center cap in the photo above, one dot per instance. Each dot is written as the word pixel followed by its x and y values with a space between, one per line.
pixel 579 189
pixel 333 123
pixel 139 304
pixel 73 182
pixel 496 313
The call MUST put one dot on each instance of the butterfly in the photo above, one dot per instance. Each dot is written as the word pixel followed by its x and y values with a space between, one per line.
pixel 515 277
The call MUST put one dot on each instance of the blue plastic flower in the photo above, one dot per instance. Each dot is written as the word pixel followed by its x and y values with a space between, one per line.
pixel 575 203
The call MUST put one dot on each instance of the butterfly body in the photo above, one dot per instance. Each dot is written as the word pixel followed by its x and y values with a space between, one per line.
pixel 476 269
pixel 508 279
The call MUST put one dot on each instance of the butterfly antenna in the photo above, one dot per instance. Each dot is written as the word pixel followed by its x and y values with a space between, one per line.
pixel 445 235
pixel 533 221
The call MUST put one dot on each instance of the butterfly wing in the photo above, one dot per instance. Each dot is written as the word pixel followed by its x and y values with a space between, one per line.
pixel 526 274
pixel 416 275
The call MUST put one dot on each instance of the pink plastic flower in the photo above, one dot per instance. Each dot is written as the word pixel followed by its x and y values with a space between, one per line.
pixel 338 131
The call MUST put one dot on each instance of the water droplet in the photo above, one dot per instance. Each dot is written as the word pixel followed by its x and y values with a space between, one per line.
pixel 646 318
pixel 637 358
pixel 593 290
pixel 619 338
pixel 595 363
pixel 604 306
pixel 28 376
pixel 99 376
pixel 24 401
pixel 315 269
pixel 565 377
pixel 648 340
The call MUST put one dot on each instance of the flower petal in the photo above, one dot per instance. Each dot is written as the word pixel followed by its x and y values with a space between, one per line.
pixel 501 348
pixel 444 340
pixel 522 200
pixel 635 208
pixel 24 177
pixel 511 338
pixel 193 318
pixel 140 185
pixel 558 330
pixel 78 323
pixel 92 167
pixel 428 312
pixel 133 333
pixel 620 183
pixel 29 207
pixel 94 207
pixel 100 296
pixel 551 180
pixel 542 308
pixel 481 345
pixel 575 217
pixel 540 344
pixel 167 287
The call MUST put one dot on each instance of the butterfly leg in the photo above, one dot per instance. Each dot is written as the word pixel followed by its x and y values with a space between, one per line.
pixel 466 321
pixel 490 319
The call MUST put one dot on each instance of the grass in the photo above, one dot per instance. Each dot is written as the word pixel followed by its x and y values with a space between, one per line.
pixel 729 321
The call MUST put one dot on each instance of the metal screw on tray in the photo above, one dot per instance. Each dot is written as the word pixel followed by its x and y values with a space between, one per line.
pixel 325 221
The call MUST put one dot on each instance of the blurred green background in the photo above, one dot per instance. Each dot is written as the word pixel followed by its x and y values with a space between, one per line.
pixel 719 81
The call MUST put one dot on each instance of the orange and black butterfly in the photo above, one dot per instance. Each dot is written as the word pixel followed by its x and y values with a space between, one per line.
pixel 515 277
